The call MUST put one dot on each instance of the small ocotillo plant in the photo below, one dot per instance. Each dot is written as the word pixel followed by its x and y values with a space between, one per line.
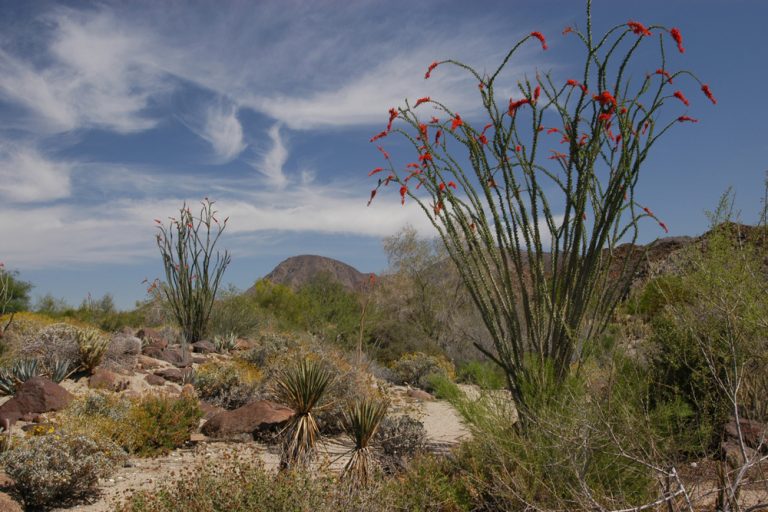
pixel 533 206
pixel 193 269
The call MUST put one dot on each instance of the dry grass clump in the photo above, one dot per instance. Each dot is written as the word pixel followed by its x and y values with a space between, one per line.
pixel 229 384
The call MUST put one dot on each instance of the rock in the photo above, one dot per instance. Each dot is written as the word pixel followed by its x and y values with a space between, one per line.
pixel 155 380
pixel 8 504
pixel 196 438
pixel 419 394
pixel 34 396
pixel 755 434
pixel 6 481
pixel 171 374
pixel 105 379
pixel 152 337
pixel 199 360
pixel 731 453
pixel 149 363
pixel 176 356
pixel 153 351
pixel 210 410
pixel 204 347
pixel 248 419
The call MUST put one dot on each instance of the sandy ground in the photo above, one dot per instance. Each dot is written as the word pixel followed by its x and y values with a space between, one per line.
pixel 441 421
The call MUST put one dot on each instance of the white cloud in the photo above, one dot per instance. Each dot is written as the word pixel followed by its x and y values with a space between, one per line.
pixel 224 131
pixel 28 176
pixel 273 160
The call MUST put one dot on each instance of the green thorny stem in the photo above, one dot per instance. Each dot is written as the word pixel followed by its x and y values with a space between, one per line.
pixel 496 219
pixel 192 270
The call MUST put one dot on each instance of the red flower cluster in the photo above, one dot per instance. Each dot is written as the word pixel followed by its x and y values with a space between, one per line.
pixel 683 119
pixel 708 93
pixel 419 101
pixel 678 37
pixel 456 122
pixel 430 69
pixel 679 95
pixel 540 37
pixel 638 28
pixel 513 105
pixel 664 73
pixel 605 98
pixel 574 83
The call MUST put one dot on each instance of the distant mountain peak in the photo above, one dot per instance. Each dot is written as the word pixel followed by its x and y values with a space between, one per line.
pixel 297 271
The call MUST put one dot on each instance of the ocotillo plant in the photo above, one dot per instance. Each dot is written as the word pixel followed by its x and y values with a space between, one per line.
pixel 192 269
pixel 532 206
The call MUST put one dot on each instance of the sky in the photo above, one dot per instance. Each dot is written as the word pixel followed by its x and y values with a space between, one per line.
pixel 117 113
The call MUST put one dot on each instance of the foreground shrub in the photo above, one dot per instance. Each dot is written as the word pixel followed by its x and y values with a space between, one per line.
pixel 399 440
pixel 484 374
pixel 60 468
pixel 416 368
pixel 148 426
pixel 229 385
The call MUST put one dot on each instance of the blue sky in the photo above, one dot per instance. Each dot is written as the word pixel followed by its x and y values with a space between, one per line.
pixel 114 113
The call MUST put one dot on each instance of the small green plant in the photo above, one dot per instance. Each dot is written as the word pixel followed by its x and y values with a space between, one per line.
pixel 193 270
pixel 362 420
pixel 229 385
pixel 301 387
pixel 61 369
pixel 59 468
pixel 20 372
pixel 159 423
pixel 225 344
pixel 484 374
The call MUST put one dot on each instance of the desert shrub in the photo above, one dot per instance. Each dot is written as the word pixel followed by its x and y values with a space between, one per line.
pixel 229 385
pixel 657 293
pixel 225 343
pixel 484 374
pixel 122 352
pixel 270 346
pixel 60 467
pixel 147 426
pixel 399 440
pixel 415 369
pixel 235 314
pixel 54 342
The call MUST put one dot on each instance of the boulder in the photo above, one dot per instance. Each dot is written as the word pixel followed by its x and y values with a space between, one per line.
pixel 34 396
pixel 171 374
pixel 176 356
pixel 419 394
pixel 105 379
pixel 8 504
pixel 248 419
pixel 755 434
pixel 152 337
pixel 731 453
pixel 204 347
pixel 150 363
pixel 210 410
pixel 155 380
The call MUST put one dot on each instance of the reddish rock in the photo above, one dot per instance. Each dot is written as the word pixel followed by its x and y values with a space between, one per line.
pixel 105 379
pixel 210 410
pixel 203 347
pixel 419 394
pixel 152 337
pixel 35 396
pixel 8 504
pixel 171 374
pixel 755 434
pixel 149 363
pixel 248 419
pixel 177 357
pixel 155 380
pixel 153 351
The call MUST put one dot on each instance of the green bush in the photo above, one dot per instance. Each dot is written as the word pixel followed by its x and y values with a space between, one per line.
pixel 416 368
pixel 229 385
pixel 487 375
pixel 236 314
pixel 399 440
pixel 59 468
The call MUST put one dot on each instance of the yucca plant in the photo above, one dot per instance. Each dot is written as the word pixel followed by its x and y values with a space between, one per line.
pixel 91 345
pixel 362 421
pixel 301 387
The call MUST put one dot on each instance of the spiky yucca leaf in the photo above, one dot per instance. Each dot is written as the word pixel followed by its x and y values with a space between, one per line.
pixel 363 420
pixel 301 387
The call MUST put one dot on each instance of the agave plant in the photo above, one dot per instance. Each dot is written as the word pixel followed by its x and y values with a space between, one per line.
pixel 301 387
pixel 7 383
pixel 362 420
pixel 225 344
pixel 60 369
pixel 21 371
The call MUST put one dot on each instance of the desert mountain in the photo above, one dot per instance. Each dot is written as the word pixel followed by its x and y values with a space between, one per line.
pixel 296 271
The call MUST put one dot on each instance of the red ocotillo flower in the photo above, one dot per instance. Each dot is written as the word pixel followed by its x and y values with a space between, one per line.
pixel 383 152
pixel 567 30
pixel 678 37
pixel 379 136
pixel 437 136
pixel 605 98
pixel 456 122
pixel 430 69
pixel 434 120
pixel 426 157
pixel 664 227
pixel 683 119
pixel 638 28
pixel 518 148
pixel 373 194
pixel 441 186
pixel 574 83
pixel 552 130
pixel 423 131
pixel 403 191
pixel 419 101
pixel 708 93
pixel 540 37
pixel 664 73
pixel 513 105
pixel 452 185
pixel 392 116
pixel 375 171
pixel 679 95
pixel 536 93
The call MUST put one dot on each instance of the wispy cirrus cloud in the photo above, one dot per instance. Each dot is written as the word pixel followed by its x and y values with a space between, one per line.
pixel 27 176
